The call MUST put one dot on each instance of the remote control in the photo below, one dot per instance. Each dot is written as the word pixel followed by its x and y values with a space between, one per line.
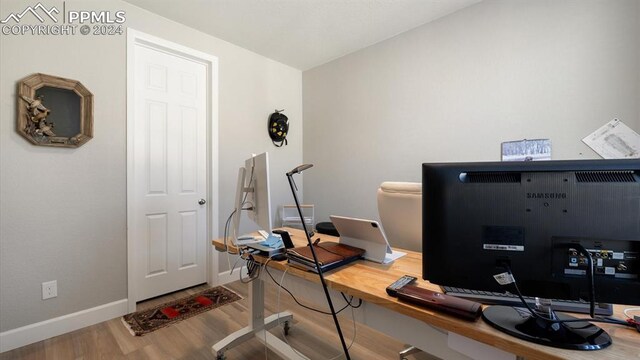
pixel 405 280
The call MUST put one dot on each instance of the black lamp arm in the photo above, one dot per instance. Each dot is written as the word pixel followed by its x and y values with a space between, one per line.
pixel 315 257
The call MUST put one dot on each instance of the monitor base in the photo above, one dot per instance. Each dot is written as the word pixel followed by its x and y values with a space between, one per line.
pixel 518 322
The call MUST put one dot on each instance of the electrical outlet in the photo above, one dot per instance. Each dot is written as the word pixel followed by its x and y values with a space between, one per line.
pixel 49 289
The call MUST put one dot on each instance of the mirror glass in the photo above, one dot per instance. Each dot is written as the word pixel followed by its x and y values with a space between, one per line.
pixel 65 109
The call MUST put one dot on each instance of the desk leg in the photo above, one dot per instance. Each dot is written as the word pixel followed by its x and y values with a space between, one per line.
pixel 258 327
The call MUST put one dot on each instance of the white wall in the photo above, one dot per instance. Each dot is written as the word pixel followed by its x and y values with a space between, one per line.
pixel 454 89
pixel 63 211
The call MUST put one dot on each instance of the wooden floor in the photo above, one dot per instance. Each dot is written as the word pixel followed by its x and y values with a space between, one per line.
pixel 312 334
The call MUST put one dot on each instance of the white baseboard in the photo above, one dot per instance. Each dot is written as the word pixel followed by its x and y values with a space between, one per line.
pixel 226 277
pixel 12 339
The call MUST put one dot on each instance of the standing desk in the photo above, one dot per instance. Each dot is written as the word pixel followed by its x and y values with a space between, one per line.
pixel 368 280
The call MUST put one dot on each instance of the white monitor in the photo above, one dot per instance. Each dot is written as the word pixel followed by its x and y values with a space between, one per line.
pixel 253 194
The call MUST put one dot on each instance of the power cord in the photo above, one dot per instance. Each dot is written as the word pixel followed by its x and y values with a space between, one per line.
pixel 235 212
pixel 537 316
pixel 590 279
pixel 306 306
pixel 349 303
pixel 350 300
pixel 284 335
pixel 253 269
pixel 355 332
pixel 224 239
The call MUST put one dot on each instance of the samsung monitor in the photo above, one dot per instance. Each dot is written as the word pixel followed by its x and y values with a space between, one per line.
pixel 253 194
pixel 534 218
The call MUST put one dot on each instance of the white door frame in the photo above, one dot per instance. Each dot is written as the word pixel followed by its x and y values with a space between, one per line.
pixel 134 38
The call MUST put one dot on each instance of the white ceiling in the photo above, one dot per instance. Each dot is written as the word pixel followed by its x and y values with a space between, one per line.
pixel 303 33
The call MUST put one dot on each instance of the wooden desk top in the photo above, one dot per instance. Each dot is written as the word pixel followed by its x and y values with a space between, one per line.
pixel 368 280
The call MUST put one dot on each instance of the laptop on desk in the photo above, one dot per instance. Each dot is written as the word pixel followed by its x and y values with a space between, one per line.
pixel 367 235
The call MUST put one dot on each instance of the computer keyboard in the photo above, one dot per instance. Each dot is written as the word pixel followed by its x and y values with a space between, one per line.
pixel 508 299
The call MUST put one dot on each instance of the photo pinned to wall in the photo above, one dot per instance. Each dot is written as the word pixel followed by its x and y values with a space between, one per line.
pixel 614 140
pixel 526 150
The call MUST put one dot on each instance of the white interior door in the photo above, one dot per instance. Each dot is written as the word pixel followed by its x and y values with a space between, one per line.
pixel 169 219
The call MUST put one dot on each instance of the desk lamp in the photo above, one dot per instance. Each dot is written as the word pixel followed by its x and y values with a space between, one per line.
pixel 290 174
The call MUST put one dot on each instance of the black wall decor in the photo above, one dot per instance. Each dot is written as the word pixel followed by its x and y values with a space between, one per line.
pixel 278 128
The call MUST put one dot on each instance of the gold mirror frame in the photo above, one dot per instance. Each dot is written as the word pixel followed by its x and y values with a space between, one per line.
pixel 34 113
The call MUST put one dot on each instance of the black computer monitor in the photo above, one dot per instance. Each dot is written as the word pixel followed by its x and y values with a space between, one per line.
pixel 534 218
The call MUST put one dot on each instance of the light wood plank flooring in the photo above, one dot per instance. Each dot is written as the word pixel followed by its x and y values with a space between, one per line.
pixel 311 333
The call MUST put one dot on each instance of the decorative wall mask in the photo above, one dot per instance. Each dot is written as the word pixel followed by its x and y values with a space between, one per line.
pixel 278 128
pixel 54 111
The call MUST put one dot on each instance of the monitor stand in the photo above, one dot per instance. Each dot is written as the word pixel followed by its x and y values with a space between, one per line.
pixel 520 323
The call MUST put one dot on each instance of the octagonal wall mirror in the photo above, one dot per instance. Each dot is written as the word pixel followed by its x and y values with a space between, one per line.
pixel 54 111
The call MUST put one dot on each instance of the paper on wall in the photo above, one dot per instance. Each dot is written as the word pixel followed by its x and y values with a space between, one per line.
pixel 615 140
pixel 526 150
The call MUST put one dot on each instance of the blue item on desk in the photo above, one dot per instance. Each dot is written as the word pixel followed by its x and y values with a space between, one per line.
pixel 273 241
pixel 271 246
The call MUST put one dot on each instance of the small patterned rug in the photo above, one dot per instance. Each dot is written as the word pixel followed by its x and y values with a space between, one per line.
pixel 146 321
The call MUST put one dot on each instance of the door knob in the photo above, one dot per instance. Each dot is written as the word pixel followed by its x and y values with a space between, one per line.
pixel 202 201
